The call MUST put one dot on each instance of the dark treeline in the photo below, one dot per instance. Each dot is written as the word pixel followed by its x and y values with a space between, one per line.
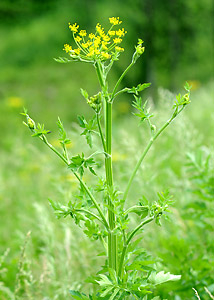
pixel 178 34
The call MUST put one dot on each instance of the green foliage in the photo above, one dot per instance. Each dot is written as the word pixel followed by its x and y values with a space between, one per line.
pixel 79 163
pixel 89 128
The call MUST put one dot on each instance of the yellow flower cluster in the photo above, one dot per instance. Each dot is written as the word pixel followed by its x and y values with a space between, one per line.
pixel 96 46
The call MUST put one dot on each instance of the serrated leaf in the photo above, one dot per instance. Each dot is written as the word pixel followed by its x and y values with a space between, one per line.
pixel 81 121
pixel 116 291
pixel 104 282
pixel 187 86
pixel 161 277
pixel 84 93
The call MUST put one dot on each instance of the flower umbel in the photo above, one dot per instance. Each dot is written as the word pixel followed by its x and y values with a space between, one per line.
pixel 98 46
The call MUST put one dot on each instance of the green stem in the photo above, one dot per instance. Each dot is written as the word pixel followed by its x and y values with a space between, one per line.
pixel 44 139
pixel 98 68
pixel 120 79
pixel 93 200
pixel 146 151
pixel 112 239
pixel 87 212
pixel 101 132
pixel 128 241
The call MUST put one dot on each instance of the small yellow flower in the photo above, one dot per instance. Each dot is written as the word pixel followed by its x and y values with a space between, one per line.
pixel 82 33
pixel 105 55
pixel 67 48
pixel 119 49
pixel 73 27
pixel 77 51
pixel 104 47
pixel 78 39
pixel 120 32
pixel 91 36
pixel 85 45
pixel 117 40
pixel 106 38
pixel 97 41
pixel 115 21
pixel 100 30
pixel 111 32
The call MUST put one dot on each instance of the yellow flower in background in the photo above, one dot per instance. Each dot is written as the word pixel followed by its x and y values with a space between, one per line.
pixel 56 143
pixel 195 84
pixel 15 102
pixel 116 156
pixel 96 46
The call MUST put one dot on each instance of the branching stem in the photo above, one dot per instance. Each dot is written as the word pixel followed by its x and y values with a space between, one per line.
pixel 153 138
pixel 44 139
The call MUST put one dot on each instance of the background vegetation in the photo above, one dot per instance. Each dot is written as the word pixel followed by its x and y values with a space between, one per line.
pixel 55 256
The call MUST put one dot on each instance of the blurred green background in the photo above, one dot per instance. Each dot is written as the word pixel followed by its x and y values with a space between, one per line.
pixel 179 41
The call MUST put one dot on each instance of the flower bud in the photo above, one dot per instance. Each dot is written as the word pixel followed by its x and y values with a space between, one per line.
pixel 31 124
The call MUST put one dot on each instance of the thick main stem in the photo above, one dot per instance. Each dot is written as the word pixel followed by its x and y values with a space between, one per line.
pixel 112 239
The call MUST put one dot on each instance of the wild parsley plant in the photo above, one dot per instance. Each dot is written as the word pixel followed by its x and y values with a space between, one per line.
pixel 102 210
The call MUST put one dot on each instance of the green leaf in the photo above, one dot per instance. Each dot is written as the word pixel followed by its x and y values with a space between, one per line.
pixel 81 121
pixel 40 130
pixel 187 86
pixel 104 281
pixel 139 88
pixel 161 277
pixel 141 211
pixel 143 113
pixel 89 127
pixel 84 93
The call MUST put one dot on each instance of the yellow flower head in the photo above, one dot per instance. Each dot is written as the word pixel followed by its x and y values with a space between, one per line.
pixel 106 38
pixel 117 40
pixel 73 27
pixel 105 55
pixel 85 45
pixel 78 39
pixel 82 33
pixel 119 49
pixel 100 30
pixel 97 41
pixel 104 47
pixel 67 48
pixel 120 32
pixel 91 36
pixel 101 45
pixel 111 32
pixel 77 51
pixel 115 21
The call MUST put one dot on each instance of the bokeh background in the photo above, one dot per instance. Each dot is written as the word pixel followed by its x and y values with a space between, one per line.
pixel 179 40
